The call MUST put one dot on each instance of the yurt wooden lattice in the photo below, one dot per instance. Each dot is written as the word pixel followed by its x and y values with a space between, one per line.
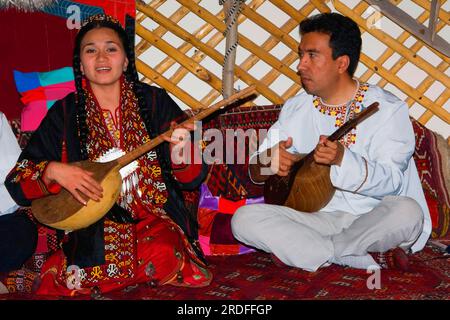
pixel 181 48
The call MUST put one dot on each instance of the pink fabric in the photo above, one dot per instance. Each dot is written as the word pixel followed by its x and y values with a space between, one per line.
pixel 204 244
pixel 59 90
pixel 39 100
pixel 32 115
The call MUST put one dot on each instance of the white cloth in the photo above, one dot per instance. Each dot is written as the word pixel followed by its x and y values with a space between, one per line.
pixel 385 142
pixel 10 152
pixel 311 240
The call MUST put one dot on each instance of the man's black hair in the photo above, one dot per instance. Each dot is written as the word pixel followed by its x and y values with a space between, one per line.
pixel 345 36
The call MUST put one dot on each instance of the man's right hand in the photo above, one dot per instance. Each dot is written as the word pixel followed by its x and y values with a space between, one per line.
pixel 77 181
pixel 276 160
pixel 282 160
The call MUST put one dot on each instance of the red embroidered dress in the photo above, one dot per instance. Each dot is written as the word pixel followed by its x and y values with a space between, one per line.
pixel 154 250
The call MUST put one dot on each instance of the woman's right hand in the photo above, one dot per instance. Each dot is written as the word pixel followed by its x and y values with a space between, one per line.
pixel 77 181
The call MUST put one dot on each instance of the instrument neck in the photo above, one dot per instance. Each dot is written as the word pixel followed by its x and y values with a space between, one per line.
pixel 141 150
pixel 339 133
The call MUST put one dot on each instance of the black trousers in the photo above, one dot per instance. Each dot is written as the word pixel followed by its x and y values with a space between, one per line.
pixel 18 240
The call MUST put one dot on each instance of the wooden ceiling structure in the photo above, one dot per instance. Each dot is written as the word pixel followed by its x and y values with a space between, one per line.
pixel 186 50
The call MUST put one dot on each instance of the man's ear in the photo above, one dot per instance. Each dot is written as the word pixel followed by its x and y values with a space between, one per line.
pixel 343 63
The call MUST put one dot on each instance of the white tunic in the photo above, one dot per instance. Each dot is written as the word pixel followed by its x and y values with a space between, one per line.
pixel 10 152
pixel 384 145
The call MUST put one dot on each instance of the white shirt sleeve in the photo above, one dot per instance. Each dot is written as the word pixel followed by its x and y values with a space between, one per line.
pixel 276 133
pixel 279 130
pixel 381 171
pixel 10 153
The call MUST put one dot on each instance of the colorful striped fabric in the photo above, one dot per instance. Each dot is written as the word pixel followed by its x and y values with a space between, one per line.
pixel 39 91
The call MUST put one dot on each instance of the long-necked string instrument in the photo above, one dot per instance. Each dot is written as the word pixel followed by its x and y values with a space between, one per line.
pixel 308 187
pixel 63 211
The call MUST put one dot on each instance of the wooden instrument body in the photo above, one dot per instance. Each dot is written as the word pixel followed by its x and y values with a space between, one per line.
pixel 312 188
pixel 307 188
pixel 63 211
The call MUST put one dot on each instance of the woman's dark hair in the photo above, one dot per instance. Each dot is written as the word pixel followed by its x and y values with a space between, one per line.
pixel 345 36
pixel 94 22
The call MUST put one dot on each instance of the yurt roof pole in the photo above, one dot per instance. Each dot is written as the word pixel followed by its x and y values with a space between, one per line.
pixel 232 9
pixel 427 35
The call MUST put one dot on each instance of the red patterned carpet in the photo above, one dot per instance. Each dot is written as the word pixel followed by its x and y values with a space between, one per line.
pixel 255 277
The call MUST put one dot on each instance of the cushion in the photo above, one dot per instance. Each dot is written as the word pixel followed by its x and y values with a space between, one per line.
pixel 231 179
pixel 214 215
pixel 432 157
pixel 39 91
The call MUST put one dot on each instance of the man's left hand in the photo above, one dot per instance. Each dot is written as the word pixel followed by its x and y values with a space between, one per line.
pixel 328 152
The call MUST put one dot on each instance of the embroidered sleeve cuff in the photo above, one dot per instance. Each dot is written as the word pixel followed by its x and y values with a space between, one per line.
pixel 52 187
pixel 351 174
pixel 33 189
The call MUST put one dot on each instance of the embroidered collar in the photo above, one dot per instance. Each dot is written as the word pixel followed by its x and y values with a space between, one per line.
pixel 344 112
